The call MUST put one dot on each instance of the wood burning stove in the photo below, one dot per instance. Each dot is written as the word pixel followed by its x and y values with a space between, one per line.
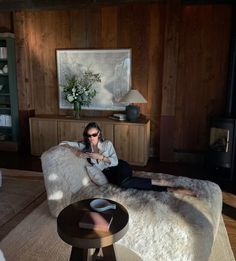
pixel 222 144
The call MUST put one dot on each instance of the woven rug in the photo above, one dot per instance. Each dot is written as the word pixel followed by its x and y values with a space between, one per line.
pixel 36 238
pixel 19 189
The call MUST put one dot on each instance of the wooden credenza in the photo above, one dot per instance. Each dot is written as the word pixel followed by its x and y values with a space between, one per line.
pixel 131 140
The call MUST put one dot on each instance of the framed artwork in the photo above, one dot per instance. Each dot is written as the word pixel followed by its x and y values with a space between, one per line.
pixel 114 67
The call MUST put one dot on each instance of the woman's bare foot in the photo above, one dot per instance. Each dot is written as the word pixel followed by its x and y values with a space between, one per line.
pixel 183 191
pixel 162 182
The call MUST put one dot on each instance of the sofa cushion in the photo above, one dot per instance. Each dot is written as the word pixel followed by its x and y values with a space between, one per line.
pixel 96 175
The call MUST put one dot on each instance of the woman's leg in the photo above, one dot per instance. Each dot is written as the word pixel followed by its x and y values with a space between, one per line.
pixel 183 191
pixel 162 182
pixel 121 175
pixel 147 184
pixel 117 174
pixel 141 183
pixel 172 188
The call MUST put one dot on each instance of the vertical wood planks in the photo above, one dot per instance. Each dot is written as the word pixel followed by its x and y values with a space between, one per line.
pixel 6 22
pixel 109 27
pixel 179 60
pixel 202 79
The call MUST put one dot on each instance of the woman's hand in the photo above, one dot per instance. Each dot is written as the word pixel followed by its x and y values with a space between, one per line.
pixel 79 153
pixel 94 155
pixel 76 151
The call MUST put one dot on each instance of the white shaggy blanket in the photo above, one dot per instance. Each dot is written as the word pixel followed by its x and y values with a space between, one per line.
pixel 162 226
pixel 165 226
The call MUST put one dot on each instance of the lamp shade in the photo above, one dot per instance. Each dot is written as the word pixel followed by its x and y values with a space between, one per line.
pixel 132 111
pixel 133 96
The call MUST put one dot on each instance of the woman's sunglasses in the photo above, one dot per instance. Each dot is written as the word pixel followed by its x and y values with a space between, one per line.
pixel 92 135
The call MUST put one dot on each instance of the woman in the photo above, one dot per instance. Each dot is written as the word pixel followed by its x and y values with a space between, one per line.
pixel 102 154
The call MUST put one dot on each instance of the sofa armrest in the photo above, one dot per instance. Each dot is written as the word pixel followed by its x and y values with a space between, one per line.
pixel 64 175
pixel 58 193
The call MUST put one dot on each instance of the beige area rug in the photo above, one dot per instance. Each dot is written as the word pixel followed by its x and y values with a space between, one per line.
pixel 19 189
pixel 35 238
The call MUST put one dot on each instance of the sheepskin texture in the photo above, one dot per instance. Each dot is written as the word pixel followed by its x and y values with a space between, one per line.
pixel 96 175
pixel 162 226
pixel 165 226
pixel 64 175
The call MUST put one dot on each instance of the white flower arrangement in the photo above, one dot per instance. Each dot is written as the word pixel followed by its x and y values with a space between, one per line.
pixel 79 88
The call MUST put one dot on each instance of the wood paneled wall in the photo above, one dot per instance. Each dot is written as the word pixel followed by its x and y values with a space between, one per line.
pixel 180 65
pixel 195 75
pixel 6 24
pixel 203 64
pixel 40 33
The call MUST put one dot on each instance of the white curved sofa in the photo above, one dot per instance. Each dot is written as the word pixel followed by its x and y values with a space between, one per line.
pixel 162 226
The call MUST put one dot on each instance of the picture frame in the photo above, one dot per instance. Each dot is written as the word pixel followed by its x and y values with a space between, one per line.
pixel 114 67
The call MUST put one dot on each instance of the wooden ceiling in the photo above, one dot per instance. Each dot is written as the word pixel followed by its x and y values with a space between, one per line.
pixel 10 5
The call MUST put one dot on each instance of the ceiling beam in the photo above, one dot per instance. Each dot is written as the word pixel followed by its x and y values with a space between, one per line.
pixel 207 2
pixel 12 5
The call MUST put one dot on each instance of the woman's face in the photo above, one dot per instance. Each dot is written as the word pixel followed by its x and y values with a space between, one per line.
pixel 93 135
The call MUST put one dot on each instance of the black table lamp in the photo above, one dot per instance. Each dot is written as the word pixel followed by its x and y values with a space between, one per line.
pixel 133 111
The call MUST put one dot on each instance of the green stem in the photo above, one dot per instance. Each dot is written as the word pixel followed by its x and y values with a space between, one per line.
pixel 77 109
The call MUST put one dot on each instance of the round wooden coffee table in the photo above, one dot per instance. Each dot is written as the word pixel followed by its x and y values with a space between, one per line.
pixel 84 241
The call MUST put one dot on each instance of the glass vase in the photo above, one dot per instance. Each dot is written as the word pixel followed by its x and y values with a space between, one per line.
pixel 77 109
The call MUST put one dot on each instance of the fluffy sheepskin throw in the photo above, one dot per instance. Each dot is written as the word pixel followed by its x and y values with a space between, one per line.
pixel 64 175
pixel 162 226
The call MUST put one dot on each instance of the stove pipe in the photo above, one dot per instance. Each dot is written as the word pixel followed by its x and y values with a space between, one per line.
pixel 230 109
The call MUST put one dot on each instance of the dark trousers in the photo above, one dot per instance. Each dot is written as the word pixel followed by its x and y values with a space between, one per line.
pixel 121 175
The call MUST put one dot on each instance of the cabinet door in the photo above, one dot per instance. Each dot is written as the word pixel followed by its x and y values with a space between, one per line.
pixel 131 143
pixel 107 130
pixel 43 135
pixel 73 130
pixel 70 130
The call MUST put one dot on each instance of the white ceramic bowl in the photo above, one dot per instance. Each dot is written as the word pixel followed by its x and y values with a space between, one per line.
pixel 101 205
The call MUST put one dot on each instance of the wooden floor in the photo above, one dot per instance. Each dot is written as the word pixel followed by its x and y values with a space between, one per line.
pixel 229 214
pixel 27 162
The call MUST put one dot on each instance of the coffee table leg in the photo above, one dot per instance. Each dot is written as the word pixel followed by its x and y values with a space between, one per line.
pixel 109 253
pixel 78 254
